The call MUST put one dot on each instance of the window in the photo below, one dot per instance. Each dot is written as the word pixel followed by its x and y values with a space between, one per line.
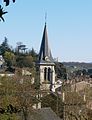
pixel 45 73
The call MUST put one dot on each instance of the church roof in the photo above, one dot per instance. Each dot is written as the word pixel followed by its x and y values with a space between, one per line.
pixel 44 114
pixel 45 55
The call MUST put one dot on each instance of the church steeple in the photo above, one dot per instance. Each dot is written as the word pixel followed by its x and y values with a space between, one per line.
pixel 46 64
pixel 45 52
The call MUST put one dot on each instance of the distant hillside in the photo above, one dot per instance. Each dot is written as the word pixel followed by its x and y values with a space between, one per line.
pixel 78 65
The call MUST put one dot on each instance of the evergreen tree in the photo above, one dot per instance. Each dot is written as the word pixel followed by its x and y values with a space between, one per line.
pixel 4 46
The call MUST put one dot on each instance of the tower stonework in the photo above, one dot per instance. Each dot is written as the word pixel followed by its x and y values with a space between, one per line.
pixel 46 64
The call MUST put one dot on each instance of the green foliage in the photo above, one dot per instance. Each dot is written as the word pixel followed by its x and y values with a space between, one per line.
pixel 9 58
pixel 25 58
pixel 49 101
pixel 60 70
pixel 4 47
pixel 9 116
pixel 54 102
pixel 17 59
pixel 16 93
pixel 34 54
pixel 24 61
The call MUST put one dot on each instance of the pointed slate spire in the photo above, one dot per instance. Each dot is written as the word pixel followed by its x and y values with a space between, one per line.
pixel 45 52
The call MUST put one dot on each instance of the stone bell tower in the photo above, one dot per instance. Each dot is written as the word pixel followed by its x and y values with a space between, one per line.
pixel 46 64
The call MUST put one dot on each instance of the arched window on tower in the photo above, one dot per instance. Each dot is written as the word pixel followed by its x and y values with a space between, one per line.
pixel 45 73
pixel 49 74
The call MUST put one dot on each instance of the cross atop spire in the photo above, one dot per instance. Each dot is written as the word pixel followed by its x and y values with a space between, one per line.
pixel 45 18
pixel 45 55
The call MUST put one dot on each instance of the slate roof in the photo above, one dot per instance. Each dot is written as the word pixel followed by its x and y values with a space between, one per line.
pixel 44 114
pixel 80 86
pixel 45 55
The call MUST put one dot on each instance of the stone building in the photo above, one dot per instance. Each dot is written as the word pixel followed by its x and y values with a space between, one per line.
pixel 46 64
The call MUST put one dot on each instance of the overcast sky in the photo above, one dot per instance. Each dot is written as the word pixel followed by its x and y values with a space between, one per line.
pixel 69 26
